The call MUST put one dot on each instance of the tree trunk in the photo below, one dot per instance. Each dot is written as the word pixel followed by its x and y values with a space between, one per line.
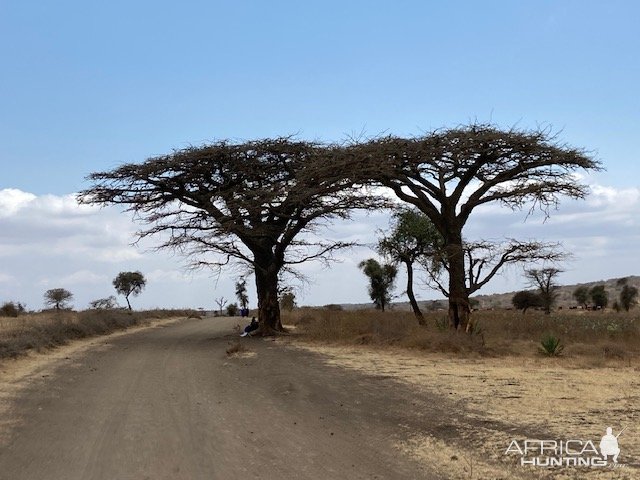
pixel 459 311
pixel 412 298
pixel 129 304
pixel 268 306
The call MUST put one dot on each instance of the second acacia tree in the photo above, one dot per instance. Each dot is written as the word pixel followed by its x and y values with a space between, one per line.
pixel 449 174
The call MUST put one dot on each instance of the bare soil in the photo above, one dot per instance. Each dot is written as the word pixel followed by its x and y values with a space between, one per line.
pixel 191 400
pixel 509 398
pixel 170 403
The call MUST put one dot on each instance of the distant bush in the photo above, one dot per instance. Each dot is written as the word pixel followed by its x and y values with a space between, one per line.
pixel 333 306
pixel 11 309
pixel 526 299
pixel 287 300
pixel 108 303
pixel 232 310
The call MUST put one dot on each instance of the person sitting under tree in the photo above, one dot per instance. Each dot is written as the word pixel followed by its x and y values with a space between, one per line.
pixel 250 328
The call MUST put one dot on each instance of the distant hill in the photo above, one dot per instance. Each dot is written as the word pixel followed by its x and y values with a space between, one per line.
pixel 565 298
pixel 503 300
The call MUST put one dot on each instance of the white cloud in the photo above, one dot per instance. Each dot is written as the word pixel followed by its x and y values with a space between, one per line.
pixel 83 277
pixel 50 241
pixel 13 200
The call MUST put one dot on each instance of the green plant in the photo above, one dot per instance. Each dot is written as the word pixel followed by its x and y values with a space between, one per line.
pixel 551 345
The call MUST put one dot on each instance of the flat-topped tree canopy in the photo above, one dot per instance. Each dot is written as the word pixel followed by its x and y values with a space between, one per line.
pixel 448 173
pixel 256 202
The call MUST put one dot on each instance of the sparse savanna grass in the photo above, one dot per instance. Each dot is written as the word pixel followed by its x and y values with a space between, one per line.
pixel 39 331
pixel 236 348
pixel 602 334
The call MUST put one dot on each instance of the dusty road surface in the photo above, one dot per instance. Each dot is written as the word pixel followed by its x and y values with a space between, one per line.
pixel 169 403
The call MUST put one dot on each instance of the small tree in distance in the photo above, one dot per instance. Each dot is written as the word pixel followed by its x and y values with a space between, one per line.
pixel 221 302
pixel 241 293
pixel 627 295
pixel 287 299
pixel 544 280
pixel 129 283
pixel 381 281
pixel 526 299
pixel 413 238
pixel 581 295
pixel 58 298
pixel 599 296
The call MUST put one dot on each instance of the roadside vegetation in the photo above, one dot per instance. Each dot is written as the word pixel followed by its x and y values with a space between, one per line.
pixel 603 334
pixel 41 331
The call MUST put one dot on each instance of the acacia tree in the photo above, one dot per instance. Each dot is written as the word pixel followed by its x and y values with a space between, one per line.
pixel 129 283
pixel 257 203
pixel 413 238
pixel 450 173
pixel 381 280
pixel 57 297
pixel 544 279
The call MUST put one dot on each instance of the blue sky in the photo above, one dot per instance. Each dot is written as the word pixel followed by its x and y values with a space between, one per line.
pixel 86 86
pixel 89 85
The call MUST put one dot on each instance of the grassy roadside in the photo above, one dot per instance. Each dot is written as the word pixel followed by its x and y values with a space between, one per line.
pixel 42 331
pixel 602 334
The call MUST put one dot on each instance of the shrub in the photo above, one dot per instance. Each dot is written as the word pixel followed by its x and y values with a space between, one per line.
pixel 551 346
pixel 232 310
pixel 236 348
pixel 333 306
pixel 526 299
pixel 104 303
pixel 11 309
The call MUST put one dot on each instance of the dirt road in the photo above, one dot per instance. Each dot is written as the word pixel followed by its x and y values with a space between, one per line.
pixel 168 403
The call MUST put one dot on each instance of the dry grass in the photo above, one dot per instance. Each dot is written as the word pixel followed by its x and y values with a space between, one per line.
pixel 599 334
pixel 505 389
pixel 40 331
pixel 236 348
